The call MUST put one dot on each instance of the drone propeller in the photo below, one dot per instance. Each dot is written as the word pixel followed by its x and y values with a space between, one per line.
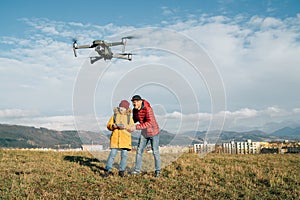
pixel 74 46
pixel 129 37
pixel 126 54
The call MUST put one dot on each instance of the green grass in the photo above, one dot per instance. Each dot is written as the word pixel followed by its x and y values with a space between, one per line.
pixel 77 175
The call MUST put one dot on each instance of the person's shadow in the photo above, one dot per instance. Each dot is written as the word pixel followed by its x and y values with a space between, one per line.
pixel 92 163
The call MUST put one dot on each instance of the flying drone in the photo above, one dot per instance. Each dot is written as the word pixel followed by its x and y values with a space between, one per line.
pixel 103 49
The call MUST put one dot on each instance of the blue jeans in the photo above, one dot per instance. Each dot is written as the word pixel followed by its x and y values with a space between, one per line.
pixel 140 150
pixel 111 157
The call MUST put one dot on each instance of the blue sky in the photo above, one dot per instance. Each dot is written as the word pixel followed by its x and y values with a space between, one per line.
pixel 134 13
pixel 254 45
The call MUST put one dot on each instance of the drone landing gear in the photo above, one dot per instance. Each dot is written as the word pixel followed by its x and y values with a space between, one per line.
pixel 126 56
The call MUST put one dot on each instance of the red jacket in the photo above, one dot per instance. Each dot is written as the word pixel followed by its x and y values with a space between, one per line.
pixel 146 119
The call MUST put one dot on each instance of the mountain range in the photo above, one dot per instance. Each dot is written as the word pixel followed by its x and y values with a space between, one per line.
pixel 16 136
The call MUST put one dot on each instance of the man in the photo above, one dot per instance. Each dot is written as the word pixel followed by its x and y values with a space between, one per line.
pixel 143 113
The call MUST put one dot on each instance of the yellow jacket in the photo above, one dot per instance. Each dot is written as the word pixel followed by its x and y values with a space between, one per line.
pixel 120 138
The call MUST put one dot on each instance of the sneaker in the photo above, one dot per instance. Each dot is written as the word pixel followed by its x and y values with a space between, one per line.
pixel 134 173
pixel 157 173
pixel 121 173
pixel 107 173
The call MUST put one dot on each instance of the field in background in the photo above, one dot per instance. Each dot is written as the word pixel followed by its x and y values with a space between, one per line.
pixel 77 175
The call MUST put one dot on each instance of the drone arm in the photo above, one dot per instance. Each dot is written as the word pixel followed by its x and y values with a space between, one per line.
pixel 75 46
pixel 114 43
pixel 83 47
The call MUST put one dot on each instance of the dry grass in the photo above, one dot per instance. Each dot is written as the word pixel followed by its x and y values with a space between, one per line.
pixel 77 175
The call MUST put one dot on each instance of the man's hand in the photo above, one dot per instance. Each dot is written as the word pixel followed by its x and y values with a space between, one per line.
pixel 131 129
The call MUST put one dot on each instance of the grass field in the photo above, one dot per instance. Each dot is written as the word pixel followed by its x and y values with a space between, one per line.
pixel 77 175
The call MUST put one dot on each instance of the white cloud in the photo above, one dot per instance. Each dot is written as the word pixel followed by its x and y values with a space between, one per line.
pixel 174 115
pixel 166 11
pixel 253 61
pixel 245 119
pixel 258 60
pixel 268 119
pixel 54 122
pixel 17 113
pixel 59 123
pixel 275 111
pixel 270 22
pixel 296 110
pixel 243 113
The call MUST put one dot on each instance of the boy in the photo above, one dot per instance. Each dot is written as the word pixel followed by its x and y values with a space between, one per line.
pixel 120 138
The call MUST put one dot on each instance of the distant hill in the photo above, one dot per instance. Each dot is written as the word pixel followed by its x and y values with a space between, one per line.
pixel 288 133
pixel 255 135
pixel 15 136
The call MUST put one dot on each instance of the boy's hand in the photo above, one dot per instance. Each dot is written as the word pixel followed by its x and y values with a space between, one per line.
pixel 114 126
pixel 121 126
